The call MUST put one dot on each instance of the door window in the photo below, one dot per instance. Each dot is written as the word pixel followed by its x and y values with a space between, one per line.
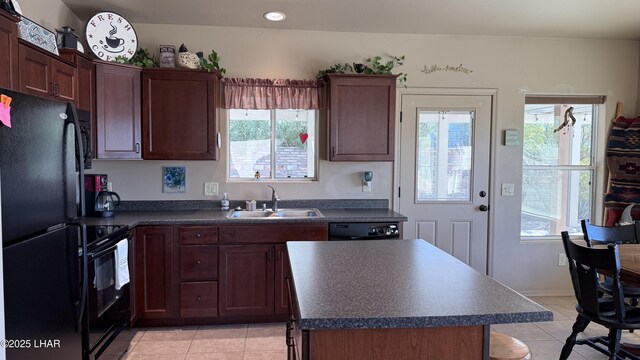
pixel 444 155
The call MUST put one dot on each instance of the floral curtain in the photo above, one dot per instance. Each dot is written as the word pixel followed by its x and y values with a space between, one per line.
pixel 272 94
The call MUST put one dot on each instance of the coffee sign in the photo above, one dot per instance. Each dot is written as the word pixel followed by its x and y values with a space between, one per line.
pixel 109 35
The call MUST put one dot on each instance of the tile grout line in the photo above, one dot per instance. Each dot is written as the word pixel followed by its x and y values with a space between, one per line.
pixel 191 342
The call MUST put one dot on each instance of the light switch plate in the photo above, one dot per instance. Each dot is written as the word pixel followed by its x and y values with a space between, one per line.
pixel 211 188
pixel 508 190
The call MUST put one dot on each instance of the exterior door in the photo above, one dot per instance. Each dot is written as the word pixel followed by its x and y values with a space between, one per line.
pixel 444 173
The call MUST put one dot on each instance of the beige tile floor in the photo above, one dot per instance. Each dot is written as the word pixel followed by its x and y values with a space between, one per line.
pixel 266 341
pixel 223 342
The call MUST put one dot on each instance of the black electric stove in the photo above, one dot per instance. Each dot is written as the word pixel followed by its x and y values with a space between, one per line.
pixel 99 235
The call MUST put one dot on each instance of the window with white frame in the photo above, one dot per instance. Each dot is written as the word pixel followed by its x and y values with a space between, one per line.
pixel 558 164
pixel 277 144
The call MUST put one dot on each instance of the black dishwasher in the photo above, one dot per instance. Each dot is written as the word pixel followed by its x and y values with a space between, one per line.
pixel 364 231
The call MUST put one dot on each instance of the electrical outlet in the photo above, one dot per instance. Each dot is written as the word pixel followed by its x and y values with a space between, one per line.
pixel 366 187
pixel 508 190
pixel 562 260
pixel 211 188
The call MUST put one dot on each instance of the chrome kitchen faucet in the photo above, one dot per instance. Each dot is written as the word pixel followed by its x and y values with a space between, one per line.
pixel 274 199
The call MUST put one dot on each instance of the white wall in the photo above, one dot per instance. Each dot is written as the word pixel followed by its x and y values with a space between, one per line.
pixel 51 14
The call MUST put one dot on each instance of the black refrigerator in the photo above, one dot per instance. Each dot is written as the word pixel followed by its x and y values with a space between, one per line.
pixel 44 273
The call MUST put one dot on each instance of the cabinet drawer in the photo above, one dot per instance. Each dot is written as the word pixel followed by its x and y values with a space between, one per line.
pixel 199 299
pixel 272 234
pixel 198 235
pixel 198 262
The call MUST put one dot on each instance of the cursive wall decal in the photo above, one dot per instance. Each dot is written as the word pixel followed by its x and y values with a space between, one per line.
pixel 435 68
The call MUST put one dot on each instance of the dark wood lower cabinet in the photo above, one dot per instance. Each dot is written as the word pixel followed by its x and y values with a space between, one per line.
pixel 203 274
pixel 199 299
pixel 246 280
pixel 281 275
pixel 445 343
pixel 154 261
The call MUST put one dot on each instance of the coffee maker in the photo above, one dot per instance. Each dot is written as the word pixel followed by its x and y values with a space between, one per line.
pixel 93 185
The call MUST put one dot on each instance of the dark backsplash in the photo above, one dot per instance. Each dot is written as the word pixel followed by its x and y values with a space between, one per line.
pixel 191 205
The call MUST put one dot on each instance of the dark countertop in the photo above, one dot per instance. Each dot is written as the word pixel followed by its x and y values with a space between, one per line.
pixel 397 284
pixel 215 217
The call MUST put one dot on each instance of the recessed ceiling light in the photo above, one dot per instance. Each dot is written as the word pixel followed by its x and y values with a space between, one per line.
pixel 274 16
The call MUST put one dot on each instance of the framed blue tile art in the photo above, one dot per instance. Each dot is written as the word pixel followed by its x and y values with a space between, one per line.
pixel 37 35
pixel 174 179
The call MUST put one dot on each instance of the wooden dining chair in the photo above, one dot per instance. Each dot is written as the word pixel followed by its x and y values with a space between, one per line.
pixel 625 234
pixel 609 311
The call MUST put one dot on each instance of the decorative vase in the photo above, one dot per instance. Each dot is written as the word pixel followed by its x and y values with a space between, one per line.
pixel 187 59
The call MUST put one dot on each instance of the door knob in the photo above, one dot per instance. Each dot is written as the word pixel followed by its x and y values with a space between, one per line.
pixel 483 208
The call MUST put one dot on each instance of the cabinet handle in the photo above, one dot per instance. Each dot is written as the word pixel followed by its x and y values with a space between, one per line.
pixel 198 235
pixel 137 148
pixel 198 298
pixel 278 255
pixel 269 255
pixel 198 262
pixel 56 88
pixel 333 151
pixel 52 89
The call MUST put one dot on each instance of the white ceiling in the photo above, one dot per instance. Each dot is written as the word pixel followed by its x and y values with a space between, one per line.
pixel 589 19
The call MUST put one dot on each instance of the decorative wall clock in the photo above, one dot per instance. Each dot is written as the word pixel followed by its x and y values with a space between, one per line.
pixel 109 35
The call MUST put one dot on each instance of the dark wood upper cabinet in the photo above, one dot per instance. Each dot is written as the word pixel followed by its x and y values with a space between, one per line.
pixel 361 117
pixel 118 129
pixel 180 114
pixel 154 263
pixel 8 50
pixel 85 80
pixel 41 74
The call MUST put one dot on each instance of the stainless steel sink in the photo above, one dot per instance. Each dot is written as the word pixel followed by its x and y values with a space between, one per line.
pixel 248 214
pixel 270 214
pixel 299 213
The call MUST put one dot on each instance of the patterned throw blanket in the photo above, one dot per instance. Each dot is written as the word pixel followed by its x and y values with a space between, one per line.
pixel 623 162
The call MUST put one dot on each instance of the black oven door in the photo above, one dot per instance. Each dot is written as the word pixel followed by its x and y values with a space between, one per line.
pixel 108 311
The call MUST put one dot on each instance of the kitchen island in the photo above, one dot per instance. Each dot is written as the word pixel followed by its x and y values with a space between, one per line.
pixel 394 299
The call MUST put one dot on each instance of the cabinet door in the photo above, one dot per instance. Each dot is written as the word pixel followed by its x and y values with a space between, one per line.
pixel 180 114
pixel 8 52
pixel 246 280
pixel 282 273
pixel 118 111
pixel 154 272
pixel 34 75
pixel 85 79
pixel 361 117
pixel 86 84
pixel 65 79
